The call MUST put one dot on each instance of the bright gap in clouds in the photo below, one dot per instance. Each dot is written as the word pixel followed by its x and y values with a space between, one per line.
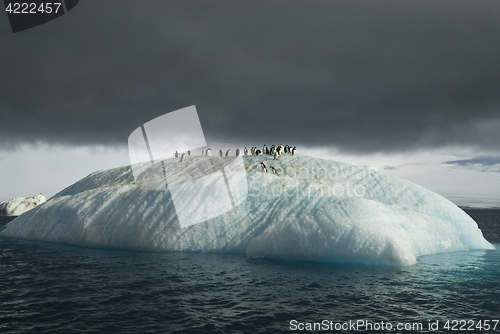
pixel 49 169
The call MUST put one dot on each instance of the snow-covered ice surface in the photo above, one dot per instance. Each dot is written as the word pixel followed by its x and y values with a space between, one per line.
pixel 19 205
pixel 313 210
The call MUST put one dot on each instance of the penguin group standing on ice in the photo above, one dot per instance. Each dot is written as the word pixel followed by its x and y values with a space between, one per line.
pixel 208 152
pixel 274 151
pixel 264 168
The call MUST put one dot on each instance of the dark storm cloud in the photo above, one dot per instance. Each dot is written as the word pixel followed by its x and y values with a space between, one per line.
pixel 361 76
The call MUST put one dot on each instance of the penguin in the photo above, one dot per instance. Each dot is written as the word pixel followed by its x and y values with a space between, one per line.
pixel 253 150
pixel 220 153
pixel 263 167
pixel 287 149
pixel 227 153
pixel 273 169
pixel 245 151
pixel 176 154
pixel 276 155
pixel 202 151
pixel 258 152
pixel 209 152
pixel 264 150
pixel 293 150
pixel 237 152
pixel 189 152
pixel 183 157
pixel 273 150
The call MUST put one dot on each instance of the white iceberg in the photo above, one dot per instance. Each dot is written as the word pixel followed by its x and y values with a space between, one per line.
pixel 19 205
pixel 313 210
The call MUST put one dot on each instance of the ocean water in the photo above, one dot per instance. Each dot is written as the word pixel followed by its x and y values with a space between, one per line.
pixel 51 288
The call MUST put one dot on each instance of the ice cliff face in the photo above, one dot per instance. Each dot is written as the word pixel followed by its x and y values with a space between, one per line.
pixel 314 209
pixel 19 205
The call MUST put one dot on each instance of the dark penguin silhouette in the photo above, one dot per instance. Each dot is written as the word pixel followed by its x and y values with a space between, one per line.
pixel 263 167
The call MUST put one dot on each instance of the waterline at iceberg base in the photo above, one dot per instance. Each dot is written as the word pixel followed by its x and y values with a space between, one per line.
pixel 313 210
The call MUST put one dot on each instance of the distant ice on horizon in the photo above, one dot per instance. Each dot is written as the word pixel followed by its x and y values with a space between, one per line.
pixel 20 205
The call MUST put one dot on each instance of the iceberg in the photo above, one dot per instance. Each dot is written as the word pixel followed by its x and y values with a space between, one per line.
pixel 19 205
pixel 311 210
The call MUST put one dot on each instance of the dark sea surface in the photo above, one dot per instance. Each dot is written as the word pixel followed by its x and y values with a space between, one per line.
pixel 51 288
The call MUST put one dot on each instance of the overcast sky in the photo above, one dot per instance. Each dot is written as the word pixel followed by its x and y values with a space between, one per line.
pixel 360 78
